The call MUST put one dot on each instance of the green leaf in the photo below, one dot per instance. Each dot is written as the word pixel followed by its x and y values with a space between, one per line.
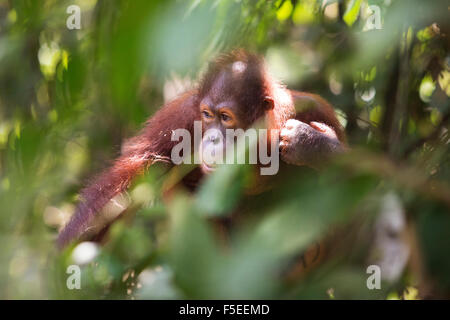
pixel 352 12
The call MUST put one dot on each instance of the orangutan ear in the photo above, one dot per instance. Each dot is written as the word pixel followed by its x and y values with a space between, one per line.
pixel 268 103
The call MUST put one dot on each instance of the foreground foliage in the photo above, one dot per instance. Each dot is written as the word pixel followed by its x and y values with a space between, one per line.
pixel 69 97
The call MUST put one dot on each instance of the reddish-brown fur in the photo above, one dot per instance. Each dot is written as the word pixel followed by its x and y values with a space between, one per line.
pixel 248 88
pixel 154 142
pixel 151 145
pixel 319 111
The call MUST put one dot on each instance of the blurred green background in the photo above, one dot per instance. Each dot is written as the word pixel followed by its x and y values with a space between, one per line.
pixel 68 98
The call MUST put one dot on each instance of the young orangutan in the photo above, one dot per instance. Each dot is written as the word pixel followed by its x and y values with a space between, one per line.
pixel 235 92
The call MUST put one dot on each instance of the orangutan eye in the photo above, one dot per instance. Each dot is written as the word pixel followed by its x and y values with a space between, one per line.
pixel 206 114
pixel 225 117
